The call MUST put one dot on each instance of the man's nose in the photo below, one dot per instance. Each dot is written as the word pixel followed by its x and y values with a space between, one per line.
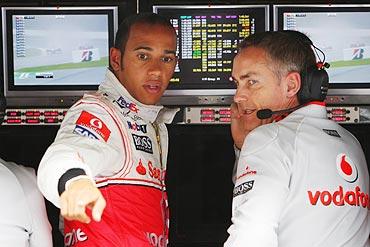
pixel 155 69
pixel 241 95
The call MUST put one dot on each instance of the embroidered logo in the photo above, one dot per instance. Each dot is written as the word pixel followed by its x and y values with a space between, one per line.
pixel 346 168
pixel 89 125
pixel 243 188
pixel 143 143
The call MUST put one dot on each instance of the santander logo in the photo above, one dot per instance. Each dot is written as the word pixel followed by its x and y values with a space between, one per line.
pixel 346 168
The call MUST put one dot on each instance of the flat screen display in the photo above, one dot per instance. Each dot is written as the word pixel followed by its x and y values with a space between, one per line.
pixel 54 51
pixel 342 32
pixel 208 37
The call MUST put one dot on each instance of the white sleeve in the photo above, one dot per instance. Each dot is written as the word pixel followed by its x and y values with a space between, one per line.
pixel 23 218
pixel 14 218
pixel 260 191
pixel 40 230
pixel 90 139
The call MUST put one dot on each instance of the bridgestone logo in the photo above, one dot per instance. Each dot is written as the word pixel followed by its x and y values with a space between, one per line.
pixel 243 188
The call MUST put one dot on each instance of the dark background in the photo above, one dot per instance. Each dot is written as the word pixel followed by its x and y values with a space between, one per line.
pixel 200 157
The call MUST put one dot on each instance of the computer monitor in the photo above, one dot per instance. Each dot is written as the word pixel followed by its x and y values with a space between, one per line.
pixel 54 55
pixel 208 36
pixel 342 32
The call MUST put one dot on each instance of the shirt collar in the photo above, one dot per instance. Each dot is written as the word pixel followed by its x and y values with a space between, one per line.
pixel 315 109
pixel 120 97
pixel 306 109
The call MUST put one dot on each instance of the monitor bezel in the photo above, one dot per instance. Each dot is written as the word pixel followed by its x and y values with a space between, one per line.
pixel 40 95
pixel 339 93
pixel 188 93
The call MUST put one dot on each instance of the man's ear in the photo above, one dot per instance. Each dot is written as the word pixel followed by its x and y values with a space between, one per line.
pixel 293 84
pixel 115 59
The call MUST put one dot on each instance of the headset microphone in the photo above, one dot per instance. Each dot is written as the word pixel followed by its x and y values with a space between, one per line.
pixel 267 113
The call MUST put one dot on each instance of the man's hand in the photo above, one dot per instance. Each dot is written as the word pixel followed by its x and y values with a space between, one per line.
pixel 78 195
pixel 242 123
pixel 238 131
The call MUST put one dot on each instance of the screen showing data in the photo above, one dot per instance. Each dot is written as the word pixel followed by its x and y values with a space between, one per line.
pixel 208 38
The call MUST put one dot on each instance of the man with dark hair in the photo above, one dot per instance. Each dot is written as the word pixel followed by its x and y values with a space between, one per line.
pixel 23 218
pixel 301 179
pixel 110 152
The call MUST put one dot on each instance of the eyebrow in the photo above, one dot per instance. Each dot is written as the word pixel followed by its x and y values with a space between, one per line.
pixel 143 48
pixel 245 76
pixel 151 49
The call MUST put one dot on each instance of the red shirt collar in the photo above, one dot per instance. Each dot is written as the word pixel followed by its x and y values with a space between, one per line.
pixel 284 115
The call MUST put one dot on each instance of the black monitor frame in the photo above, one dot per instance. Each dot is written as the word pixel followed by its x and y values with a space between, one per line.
pixel 198 95
pixel 41 95
pixel 339 93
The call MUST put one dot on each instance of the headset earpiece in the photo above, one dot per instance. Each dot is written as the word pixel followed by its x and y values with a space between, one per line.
pixel 318 79
pixel 315 77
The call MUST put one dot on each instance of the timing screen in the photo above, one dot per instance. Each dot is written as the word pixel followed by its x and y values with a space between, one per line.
pixel 207 43
pixel 51 50
pixel 343 37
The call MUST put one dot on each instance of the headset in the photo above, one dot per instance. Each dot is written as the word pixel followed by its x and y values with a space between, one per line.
pixel 315 77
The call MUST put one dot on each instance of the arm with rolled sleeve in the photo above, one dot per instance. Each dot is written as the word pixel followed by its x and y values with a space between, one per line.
pixel 73 151
pixel 260 192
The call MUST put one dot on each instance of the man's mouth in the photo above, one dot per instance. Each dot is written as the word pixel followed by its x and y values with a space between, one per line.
pixel 152 88
pixel 247 111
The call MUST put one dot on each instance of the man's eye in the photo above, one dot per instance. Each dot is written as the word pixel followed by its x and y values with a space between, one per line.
pixel 252 82
pixel 231 79
pixel 167 59
pixel 142 56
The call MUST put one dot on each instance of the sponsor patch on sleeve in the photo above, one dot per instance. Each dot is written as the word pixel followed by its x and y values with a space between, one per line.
pixel 91 126
pixel 331 132
pixel 243 188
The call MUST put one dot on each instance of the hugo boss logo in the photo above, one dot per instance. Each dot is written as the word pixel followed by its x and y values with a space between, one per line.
pixel 143 143
pixel 243 188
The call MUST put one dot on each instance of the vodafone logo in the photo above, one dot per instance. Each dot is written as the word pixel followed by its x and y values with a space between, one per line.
pixel 340 197
pixel 92 125
pixel 155 240
pixel 346 168
pixel 74 237
pixel 96 123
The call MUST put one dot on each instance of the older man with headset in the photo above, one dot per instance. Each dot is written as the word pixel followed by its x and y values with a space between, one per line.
pixel 301 179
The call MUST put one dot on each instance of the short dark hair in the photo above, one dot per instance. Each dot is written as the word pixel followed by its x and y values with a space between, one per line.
pixel 146 18
pixel 288 51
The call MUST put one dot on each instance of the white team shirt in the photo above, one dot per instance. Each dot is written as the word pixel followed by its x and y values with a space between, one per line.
pixel 302 181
